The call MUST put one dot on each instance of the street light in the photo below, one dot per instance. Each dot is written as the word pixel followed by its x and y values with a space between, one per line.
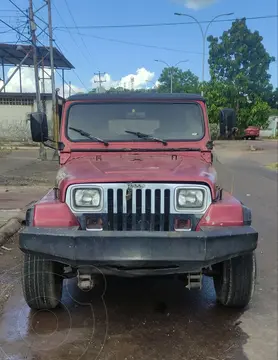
pixel 204 36
pixel 171 70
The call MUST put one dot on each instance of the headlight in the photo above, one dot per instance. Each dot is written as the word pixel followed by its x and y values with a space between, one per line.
pixel 190 198
pixel 87 198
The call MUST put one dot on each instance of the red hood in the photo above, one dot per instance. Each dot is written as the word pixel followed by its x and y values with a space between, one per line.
pixel 136 168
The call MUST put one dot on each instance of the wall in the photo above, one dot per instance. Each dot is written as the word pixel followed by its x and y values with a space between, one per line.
pixel 14 124
pixel 272 127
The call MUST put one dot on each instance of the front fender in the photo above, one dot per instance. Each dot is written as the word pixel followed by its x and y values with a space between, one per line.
pixel 50 212
pixel 226 212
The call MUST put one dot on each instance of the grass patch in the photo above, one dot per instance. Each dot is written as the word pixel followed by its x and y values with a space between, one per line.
pixel 273 166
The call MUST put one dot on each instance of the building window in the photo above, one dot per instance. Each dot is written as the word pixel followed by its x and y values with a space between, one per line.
pixel 16 101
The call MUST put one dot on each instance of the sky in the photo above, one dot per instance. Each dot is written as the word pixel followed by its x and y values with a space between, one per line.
pixel 117 51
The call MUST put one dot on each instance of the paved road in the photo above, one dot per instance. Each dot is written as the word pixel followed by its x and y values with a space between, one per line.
pixel 148 319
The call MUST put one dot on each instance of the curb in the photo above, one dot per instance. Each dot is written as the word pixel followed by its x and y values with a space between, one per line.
pixel 20 147
pixel 11 227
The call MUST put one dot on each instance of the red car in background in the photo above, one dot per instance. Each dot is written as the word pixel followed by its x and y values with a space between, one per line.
pixel 252 132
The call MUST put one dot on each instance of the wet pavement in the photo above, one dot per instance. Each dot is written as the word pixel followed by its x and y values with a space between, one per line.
pixel 155 318
pixel 136 319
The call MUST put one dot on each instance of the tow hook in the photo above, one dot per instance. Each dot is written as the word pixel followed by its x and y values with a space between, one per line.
pixel 85 281
pixel 194 281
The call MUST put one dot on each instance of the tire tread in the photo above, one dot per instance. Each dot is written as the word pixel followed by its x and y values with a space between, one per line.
pixel 41 282
pixel 238 281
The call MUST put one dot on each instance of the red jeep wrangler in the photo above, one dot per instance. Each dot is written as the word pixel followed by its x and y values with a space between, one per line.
pixel 136 195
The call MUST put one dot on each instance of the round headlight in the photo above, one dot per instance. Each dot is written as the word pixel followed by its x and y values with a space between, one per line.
pixel 87 198
pixel 190 198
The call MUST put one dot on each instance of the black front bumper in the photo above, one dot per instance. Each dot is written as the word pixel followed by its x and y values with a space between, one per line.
pixel 139 252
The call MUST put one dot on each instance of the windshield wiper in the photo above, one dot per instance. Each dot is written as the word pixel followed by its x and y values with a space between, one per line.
pixel 89 136
pixel 146 136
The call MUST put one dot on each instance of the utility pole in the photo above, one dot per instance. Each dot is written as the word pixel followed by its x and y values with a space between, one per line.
pixel 132 83
pixel 53 89
pixel 42 153
pixel 99 81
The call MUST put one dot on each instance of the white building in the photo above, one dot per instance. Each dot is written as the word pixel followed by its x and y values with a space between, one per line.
pixel 14 115
pixel 272 127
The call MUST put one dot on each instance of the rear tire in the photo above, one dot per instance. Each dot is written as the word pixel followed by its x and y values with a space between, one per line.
pixel 42 282
pixel 235 281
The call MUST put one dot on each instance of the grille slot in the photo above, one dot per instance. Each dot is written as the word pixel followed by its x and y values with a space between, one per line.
pixel 138 209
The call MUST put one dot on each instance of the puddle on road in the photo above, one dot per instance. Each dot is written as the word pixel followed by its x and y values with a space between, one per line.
pixel 145 319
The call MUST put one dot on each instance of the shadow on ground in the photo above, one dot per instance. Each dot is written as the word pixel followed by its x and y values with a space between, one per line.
pixel 136 319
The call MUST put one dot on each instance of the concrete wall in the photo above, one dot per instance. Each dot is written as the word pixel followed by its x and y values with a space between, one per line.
pixel 272 127
pixel 14 124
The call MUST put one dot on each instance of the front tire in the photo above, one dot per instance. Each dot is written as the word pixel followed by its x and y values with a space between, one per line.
pixel 42 282
pixel 235 281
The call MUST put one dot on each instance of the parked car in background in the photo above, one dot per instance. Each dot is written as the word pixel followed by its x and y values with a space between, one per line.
pixel 252 132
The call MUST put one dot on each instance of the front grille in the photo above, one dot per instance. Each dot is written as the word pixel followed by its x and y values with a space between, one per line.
pixel 137 206
pixel 138 209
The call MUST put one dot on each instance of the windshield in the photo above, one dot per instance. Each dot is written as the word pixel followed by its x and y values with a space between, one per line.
pixel 117 122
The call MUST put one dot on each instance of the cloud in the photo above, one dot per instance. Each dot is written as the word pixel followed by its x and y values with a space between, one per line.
pixel 28 82
pixel 136 81
pixel 142 78
pixel 196 4
pixel 71 90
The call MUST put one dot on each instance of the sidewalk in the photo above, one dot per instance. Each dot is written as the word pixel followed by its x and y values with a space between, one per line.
pixel 23 180
pixel 14 200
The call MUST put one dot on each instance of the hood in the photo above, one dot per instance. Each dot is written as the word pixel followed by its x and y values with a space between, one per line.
pixel 136 168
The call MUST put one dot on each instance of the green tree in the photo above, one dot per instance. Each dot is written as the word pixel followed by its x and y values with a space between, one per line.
pixel 240 58
pixel 121 89
pixel 218 95
pixel 183 81
pixel 118 89
pixel 259 113
pixel 273 99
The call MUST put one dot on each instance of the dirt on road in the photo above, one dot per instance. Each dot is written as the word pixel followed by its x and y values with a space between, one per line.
pixel 125 319
pixel 23 179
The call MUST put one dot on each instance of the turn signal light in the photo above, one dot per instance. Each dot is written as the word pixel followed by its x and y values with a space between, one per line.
pixel 183 225
pixel 94 224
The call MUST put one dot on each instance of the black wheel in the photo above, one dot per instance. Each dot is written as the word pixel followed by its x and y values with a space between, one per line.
pixel 235 280
pixel 42 282
pixel 253 138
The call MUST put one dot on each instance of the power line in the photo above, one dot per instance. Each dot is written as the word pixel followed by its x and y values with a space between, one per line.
pixel 28 17
pixel 22 31
pixel 73 70
pixel 163 24
pixel 73 39
pixel 140 44
pixel 14 29
pixel 10 16
pixel 115 40
pixel 18 8
pixel 5 32
pixel 72 17
pixel 29 40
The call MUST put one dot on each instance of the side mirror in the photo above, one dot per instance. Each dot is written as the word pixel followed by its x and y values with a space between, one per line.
pixel 227 122
pixel 39 127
